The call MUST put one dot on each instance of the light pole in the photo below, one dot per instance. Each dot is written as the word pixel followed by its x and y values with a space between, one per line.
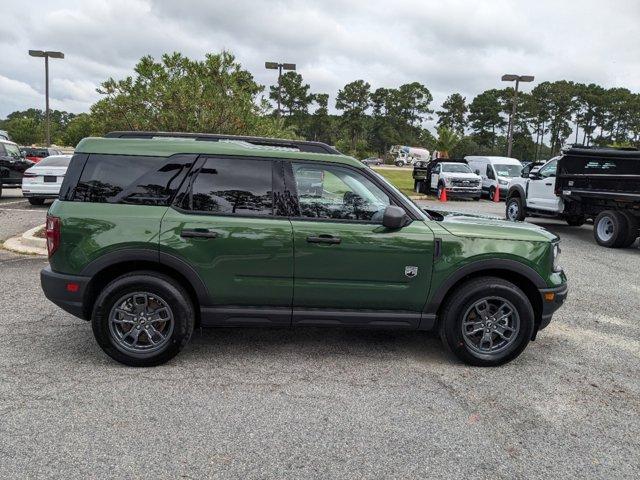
pixel 279 67
pixel 46 54
pixel 512 118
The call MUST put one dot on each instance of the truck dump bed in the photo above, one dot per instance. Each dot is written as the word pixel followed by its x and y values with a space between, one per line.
pixel 604 173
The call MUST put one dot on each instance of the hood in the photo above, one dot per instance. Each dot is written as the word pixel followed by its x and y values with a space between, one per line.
pixel 470 175
pixel 479 226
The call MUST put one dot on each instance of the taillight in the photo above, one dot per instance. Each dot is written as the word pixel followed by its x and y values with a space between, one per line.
pixel 52 234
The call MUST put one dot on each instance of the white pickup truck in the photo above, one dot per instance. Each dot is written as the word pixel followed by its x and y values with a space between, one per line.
pixel 601 184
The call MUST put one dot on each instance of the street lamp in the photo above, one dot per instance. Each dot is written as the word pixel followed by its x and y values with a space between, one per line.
pixel 279 67
pixel 512 118
pixel 46 54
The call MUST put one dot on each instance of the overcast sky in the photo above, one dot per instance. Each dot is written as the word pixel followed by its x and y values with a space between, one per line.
pixel 448 45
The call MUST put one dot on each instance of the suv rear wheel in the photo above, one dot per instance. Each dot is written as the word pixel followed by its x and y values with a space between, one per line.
pixel 487 322
pixel 143 319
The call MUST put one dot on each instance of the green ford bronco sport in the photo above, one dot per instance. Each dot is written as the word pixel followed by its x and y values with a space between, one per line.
pixel 157 233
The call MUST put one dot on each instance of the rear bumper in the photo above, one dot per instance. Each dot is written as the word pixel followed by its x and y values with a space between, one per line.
pixel 550 306
pixel 56 288
pixel 32 194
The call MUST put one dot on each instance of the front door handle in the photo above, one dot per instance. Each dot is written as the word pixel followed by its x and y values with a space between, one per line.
pixel 323 239
pixel 198 233
pixel 549 184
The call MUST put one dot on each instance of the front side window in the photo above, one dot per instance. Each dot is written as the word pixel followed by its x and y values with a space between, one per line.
pixel 490 174
pixel 131 179
pixel 232 186
pixel 332 192
pixel 549 170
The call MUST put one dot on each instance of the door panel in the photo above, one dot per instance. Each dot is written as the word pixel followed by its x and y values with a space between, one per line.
pixel 541 191
pixel 366 270
pixel 242 261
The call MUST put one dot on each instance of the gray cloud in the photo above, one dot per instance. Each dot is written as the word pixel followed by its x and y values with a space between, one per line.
pixel 449 46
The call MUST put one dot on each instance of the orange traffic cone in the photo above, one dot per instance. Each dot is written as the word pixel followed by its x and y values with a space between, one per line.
pixel 443 195
pixel 496 194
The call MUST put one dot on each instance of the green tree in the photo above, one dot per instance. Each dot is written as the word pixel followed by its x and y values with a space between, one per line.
pixel 179 94
pixel 453 113
pixel 485 117
pixel 447 140
pixel 79 127
pixel 353 100
pixel 294 94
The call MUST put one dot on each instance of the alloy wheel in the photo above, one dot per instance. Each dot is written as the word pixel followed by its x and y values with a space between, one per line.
pixel 490 325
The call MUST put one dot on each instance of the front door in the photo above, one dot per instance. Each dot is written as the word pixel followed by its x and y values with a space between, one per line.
pixel 541 190
pixel 349 269
pixel 225 226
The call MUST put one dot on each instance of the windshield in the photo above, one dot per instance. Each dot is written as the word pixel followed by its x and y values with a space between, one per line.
pixel 12 150
pixel 55 161
pixel 456 168
pixel 414 208
pixel 508 170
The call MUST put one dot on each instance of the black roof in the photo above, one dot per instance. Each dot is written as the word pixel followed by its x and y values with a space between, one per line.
pixel 603 152
pixel 300 145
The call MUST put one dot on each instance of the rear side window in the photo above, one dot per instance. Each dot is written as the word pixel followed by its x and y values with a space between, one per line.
pixel 232 186
pixel 133 180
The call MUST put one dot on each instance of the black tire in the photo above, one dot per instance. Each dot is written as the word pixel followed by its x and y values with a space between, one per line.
pixel 514 209
pixel 492 192
pixel 610 229
pixel 463 299
pixel 575 221
pixel 632 229
pixel 476 199
pixel 399 164
pixel 0 189
pixel 158 285
pixel 36 201
pixel 439 191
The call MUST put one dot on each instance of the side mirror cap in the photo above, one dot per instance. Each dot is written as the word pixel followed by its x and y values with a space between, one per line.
pixel 394 217
pixel 534 176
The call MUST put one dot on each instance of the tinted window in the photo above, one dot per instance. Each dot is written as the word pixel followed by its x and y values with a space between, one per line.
pixel 338 193
pixel 131 179
pixel 233 186
pixel 55 161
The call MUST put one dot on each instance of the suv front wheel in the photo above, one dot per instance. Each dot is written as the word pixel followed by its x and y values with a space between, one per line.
pixel 143 319
pixel 487 322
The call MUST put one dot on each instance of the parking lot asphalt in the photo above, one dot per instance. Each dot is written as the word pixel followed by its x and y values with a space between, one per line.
pixel 17 215
pixel 328 403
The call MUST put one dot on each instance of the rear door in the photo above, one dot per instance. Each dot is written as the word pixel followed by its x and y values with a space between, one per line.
pixel 349 269
pixel 225 225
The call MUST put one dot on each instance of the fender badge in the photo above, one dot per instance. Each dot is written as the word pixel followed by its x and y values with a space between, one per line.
pixel 410 271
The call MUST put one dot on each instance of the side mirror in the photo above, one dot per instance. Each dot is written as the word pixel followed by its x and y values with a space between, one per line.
pixel 535 176
pixel 394 217
pixel 477 172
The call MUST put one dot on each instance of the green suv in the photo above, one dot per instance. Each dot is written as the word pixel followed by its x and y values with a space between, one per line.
pixel 157 233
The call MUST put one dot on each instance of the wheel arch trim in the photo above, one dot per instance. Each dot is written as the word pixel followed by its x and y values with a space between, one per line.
pixel 490 266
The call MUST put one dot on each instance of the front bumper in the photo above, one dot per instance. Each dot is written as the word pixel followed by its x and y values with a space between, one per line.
pixel 550 305
pixel 464 192
pixel 56 287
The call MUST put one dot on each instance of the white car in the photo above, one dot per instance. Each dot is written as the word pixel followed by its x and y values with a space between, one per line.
pixel 496 172
pixel 44 179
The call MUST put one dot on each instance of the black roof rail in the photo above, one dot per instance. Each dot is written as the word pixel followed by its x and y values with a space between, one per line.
pixel 300 145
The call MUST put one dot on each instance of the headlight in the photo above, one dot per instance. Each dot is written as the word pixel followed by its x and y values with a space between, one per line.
pixel 503 182
pixel 556 257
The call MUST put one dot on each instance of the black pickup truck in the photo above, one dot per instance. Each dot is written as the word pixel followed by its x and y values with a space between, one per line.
pixel 602 184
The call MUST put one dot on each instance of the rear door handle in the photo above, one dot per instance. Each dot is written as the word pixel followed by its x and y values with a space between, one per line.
pixel 323 239
pixel 198 233
pixel 549 184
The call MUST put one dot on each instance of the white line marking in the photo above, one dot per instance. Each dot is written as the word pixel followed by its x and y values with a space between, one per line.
pixel 21 210
pixel 12 203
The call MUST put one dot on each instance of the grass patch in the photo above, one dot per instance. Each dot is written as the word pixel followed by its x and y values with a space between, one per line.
pixel 401 178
